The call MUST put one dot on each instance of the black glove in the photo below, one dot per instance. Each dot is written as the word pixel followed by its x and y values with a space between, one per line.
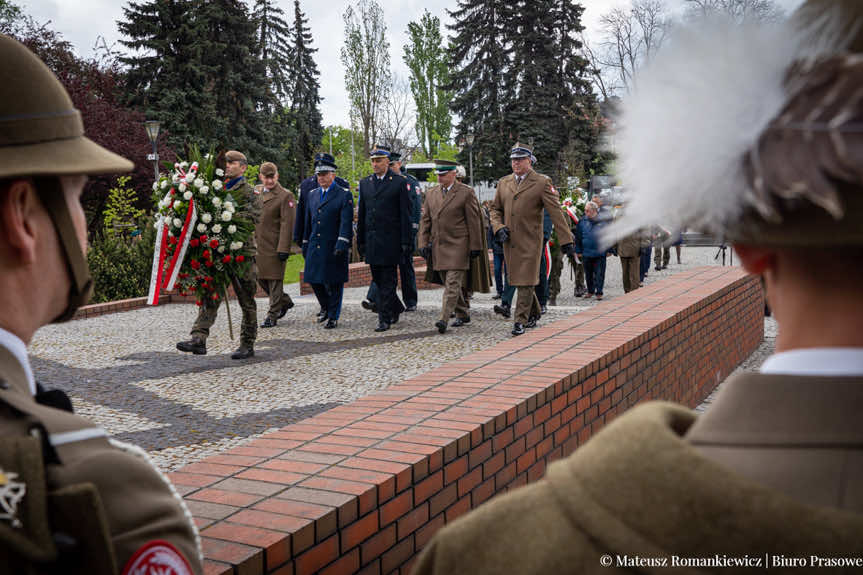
pixel 426 252
pixel 502 235
pixel 305 249
pixel 568 249
pixel 283 256
pixel 341 248
pixel 407 249
pixel 475 253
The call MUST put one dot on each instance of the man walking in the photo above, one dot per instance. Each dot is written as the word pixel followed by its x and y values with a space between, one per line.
pixel 384 232
pixel 451 234
pixel 587 246
pixel 273 236
pixel 328 232
pixel 516 215
pixel 246 286
pixel 71 500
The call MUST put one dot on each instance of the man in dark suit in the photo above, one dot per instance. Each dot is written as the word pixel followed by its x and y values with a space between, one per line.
pixel 306 186
pixel 384 232
pixel 328 230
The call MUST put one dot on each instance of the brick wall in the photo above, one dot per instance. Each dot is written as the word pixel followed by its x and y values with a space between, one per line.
pixel 362 487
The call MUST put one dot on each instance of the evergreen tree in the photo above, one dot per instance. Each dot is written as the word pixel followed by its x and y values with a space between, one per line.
pixel 274 48
pixel 305 96
pixel 478 61
pixel 425 56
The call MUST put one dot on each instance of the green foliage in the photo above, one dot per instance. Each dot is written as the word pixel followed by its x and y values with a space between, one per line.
pixel 362 166
pixel 121 265
pixel 273 34
pixel 120 213
pixel 425 57
pixel 293 267
pixel 251 174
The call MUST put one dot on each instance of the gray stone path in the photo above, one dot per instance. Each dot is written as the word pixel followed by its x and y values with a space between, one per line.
pixel 123 371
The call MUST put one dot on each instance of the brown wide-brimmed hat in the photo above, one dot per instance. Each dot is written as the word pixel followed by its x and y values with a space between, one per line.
pixel 41 132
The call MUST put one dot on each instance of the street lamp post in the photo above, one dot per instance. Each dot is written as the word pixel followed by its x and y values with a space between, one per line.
pixel 469 138
pixel 152 127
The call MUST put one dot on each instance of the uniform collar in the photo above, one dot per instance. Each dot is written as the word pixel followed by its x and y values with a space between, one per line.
pixel 833 361
pixel 19 350
pixel 233 182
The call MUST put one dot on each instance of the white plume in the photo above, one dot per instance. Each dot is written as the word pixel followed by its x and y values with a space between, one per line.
pixel 696 109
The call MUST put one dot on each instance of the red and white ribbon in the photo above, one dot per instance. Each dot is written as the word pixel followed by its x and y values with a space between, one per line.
pixel 185 236
pixel 572 215
pixel 159 252
pixel 547 255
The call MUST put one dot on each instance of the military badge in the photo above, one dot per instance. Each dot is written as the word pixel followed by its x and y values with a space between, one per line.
pixel 157 558
pixel 290 204
pixel 11 494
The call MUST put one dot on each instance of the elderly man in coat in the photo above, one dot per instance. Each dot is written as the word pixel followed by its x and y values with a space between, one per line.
pixel 516 215
pixel 451 234
pixel 273 236
pixel 328 229
pixel 384 232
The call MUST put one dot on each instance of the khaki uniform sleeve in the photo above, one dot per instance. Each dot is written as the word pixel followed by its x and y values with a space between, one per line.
pixel 287 217
pixel 473 217
pixel 550 201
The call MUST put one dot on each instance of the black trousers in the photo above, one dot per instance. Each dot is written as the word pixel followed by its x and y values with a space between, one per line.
pixel 389 305
pixel 330 298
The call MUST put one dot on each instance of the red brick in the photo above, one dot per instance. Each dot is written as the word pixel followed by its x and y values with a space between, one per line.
pixel 282 477
pixel 469 481
pixel 359 531
pixel 353 474
pixel 345 565
pixel 225 497
pixel 245 557
pixel 455 469
pixel 376 545
pixel 482 492
pixel 479 454
pixel 318 556
pixel 460 507
pixel 443 499
pixel 295 508
pixel 428 487
pixel 191 479
pixel 293 466
pixel 493 465
pixel 393 558
pixel 277 546
pixel 270 520
pixel 427 531
pixel 392 510
pixel 217 568
pixel 412 521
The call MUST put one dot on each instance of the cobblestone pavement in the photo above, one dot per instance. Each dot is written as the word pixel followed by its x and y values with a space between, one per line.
pixel 123 371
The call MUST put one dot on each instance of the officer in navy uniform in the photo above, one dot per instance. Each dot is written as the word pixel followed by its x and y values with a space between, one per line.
pixel 406 266
pixel 306 186
pixel 327 241
pixel 72 500
pixel 384 232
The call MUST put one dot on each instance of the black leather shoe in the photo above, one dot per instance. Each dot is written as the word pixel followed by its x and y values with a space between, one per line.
pixel 243 352
pixel 552 301
pixel 369 306
pixel 382 326
pixel 441 326
pixel 496 296
pixel 531 321
pixel 658 268
pixel 543 310
pixel 579 291
pixel 502 310
pixel 285 309
pixel 461 321
pixel 322 316
pixel 517 329
pixel 194 345
pixel 411 308
pixel 269 323
pixel 394 319
pixel 331 324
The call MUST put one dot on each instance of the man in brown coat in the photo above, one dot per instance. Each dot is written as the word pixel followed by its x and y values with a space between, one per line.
pixel 516 216
pixel 450 235
pixel 72 500
pixel 771 476
pixel 629 251
pixel 273 236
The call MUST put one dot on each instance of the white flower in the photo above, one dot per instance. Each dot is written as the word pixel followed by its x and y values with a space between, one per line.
pixel 235 246
pixel 217 201
pixel 217 185
pixel 170 234
pixel 187 195
pixel 177 205
pixel 229 206
pixel 208 156
pixel 232 229
pixel 217 228
pixel 175 178
pixel 178 223
pixel 182 187
pixel 184 165
pixel 157 224
pixel 199 182
pixel 207 218
pixel 204 189
pixel 202 228
pixel 221 249
pixel 220 172
pixel 164 184
pixel 155 186
pixel 226 216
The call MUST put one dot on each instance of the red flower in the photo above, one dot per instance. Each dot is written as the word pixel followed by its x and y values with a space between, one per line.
pixel 183 276
pixel 215 297
pixel 209 263
pixel 209 279
pixel 240 259
pixel 226 260
pixel 173 191
pixel 199 303
pixel 195 264
pixel 203 239
pixel 214 243
pixel 207 255
pixel 194 243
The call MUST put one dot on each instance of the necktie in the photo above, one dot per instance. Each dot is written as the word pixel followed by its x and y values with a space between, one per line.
pixel 323 193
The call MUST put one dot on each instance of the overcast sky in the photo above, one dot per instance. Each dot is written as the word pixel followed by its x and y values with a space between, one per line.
pixel 83 21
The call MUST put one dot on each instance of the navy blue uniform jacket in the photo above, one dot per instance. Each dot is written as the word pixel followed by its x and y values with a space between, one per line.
pixel 306 186
pixel 384 221
pixel 328 222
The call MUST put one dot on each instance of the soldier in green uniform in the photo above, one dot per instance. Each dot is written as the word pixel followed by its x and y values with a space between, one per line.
pixel 246 286
pixel 72 500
